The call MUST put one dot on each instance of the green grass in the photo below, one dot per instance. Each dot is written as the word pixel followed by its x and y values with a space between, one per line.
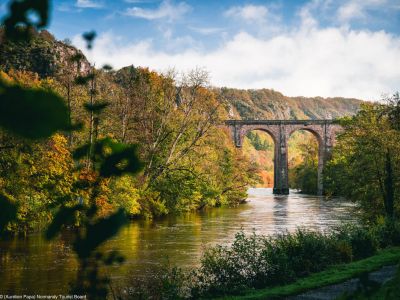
pixel 333 275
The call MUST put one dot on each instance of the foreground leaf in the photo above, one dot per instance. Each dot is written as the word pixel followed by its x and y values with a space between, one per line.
pixel 96 107
pixel 65 216
pixel 122 160
pixel 31 113
pixel 99 232
pixel 18 24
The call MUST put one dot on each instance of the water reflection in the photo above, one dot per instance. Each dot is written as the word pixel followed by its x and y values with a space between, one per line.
pixel 280 212
pixel 33 265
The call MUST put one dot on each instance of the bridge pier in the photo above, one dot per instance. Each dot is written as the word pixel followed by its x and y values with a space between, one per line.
pixel 281 174
pixel 280 131
pixel 321 164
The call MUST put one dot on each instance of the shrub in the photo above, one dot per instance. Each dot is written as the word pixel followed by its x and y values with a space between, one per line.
pixel 387 233
pixel 362 242
pixel 307 251
pixel 166 282
pixel 258 261
pixel 232 269
pixel 343 251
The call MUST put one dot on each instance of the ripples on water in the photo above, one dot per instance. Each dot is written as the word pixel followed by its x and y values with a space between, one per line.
pixel 33 265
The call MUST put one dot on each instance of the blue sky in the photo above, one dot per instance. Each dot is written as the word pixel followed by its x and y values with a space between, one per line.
pixel 310 48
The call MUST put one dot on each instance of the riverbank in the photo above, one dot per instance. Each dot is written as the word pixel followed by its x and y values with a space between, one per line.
pixel 333 275
pixel 29 263
pixel 261 267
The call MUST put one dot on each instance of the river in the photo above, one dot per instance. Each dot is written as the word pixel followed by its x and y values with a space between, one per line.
pixel 33 265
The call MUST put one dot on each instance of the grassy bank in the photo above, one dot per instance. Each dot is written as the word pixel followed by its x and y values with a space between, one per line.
pixel 333 275
pixel 258 267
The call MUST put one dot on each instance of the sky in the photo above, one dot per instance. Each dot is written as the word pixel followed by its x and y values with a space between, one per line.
pixel 322 48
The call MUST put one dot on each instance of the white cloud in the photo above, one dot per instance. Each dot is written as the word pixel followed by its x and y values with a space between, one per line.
pixel 175 43
pixel 249 13
pixel 265 20
pixel 351 10
pixel 363 9
pixel 206 30
pixel 88 4
pixel 166 10
pixel 348 12
pixel 308 62
pixel 307 11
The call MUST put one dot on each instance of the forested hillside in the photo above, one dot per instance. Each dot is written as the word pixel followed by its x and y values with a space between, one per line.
pixel 270 104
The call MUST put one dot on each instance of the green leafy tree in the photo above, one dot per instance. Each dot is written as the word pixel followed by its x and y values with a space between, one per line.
pixel 258 144
pixel 366 160
pixel 304 176
pixel 176 123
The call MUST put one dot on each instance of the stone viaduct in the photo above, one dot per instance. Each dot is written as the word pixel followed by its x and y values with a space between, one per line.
pixel 280 131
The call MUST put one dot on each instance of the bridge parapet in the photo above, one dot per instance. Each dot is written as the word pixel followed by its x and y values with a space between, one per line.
pixel 278 122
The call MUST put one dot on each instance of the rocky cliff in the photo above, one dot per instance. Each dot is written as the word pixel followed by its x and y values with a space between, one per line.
pixel 43 55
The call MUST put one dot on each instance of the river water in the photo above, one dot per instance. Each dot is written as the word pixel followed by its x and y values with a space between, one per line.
pixel 33 265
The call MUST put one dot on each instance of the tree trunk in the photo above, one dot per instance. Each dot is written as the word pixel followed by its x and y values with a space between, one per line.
pixel 69 114
pixel 91 122
pixel 389 187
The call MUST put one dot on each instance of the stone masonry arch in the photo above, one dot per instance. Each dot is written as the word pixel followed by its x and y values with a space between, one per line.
pixel 280 131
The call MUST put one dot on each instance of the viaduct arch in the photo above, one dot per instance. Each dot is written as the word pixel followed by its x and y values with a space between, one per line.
pixel 280 130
